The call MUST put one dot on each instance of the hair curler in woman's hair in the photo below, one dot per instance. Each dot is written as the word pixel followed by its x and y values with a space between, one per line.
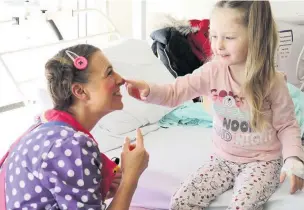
pixel 79 62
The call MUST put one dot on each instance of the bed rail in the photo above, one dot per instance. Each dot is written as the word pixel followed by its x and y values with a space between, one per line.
pixel 49 16
pixel 299 64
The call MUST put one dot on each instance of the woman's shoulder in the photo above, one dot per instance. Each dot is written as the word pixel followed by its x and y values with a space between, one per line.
pixel 48 138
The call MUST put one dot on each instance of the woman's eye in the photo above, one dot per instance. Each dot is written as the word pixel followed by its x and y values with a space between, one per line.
pixel 110 73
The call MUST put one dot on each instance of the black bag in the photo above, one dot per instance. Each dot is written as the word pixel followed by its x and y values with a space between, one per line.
pixel 174 50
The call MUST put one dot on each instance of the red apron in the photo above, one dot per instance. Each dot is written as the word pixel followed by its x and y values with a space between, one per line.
pixel 49 118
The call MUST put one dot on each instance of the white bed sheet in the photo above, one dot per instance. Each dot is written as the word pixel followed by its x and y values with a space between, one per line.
pixel 177 152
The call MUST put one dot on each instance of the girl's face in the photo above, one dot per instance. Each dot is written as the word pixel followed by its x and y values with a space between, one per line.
pixel 229 39
pixel 103 86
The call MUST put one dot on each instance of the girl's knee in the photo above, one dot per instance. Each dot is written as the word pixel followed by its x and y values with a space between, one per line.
pixel 180 204
pixel 175 204
pixel 184 200
pixel 244 205
pixel 177 200
pixel 248 201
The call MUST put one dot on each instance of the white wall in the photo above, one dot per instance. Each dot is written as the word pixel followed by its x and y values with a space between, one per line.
pixel 200 9
pixel 155 12
pixel 123 13
pixel 294 13
pixel 120 12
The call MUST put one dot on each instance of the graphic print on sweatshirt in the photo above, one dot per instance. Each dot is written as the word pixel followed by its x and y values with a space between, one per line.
pixel 232 121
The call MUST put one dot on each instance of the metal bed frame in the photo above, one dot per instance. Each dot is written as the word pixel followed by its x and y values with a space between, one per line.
pixel 301 62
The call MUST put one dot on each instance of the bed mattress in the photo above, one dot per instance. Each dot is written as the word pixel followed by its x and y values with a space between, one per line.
pixel 177 152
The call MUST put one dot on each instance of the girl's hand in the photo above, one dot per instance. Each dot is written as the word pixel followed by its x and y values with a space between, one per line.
pixel 294 169
pixel 137 89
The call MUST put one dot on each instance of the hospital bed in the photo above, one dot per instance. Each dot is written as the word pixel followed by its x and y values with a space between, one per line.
pixel 175 152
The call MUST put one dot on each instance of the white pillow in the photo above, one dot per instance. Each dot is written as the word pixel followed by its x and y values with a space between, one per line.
pixel 107 141
pixel 290 46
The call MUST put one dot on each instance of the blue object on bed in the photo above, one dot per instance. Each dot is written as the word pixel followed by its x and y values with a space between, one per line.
pixel 193 114
pixel 298 99
pixel 187 114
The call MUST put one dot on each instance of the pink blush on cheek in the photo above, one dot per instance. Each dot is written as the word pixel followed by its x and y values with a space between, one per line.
pixel 111 86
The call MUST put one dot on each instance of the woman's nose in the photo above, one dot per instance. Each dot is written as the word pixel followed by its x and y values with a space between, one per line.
pixel 119 80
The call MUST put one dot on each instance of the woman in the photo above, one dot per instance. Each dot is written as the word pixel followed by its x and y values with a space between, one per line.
pixel 57 163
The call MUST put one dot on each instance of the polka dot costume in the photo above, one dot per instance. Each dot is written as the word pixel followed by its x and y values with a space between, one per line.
pixel 52 168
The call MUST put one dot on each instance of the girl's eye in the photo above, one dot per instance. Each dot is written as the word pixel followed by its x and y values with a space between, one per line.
pixel 228 37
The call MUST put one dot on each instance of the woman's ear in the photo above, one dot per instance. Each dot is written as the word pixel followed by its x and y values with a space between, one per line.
pixel 79 92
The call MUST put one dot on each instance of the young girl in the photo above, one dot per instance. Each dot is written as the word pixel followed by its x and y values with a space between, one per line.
pixel 252 137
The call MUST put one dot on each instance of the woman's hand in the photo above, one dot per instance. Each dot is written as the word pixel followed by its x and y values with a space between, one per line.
pixel 134 159
pixel 294 169
pixel 115 184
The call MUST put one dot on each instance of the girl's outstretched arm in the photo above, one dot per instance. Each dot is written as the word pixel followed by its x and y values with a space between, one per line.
pixel 183 89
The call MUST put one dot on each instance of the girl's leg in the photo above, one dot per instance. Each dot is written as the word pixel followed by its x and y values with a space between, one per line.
pixel 208 182
pixel 255 184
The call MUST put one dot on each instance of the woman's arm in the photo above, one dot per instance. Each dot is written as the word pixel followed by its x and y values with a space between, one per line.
pixel 123 196
pixel 134 162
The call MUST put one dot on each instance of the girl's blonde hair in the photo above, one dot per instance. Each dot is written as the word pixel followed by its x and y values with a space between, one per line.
pixel 262 48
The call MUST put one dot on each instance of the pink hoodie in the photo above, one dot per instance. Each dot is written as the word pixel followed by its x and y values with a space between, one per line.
pixel 232 136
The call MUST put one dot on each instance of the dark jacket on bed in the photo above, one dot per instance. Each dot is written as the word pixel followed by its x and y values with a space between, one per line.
pixel 174 50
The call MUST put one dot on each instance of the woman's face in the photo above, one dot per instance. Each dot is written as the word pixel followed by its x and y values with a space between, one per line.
pixel 103 86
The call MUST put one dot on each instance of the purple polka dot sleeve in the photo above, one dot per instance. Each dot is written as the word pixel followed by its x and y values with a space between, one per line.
pixel 72 170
